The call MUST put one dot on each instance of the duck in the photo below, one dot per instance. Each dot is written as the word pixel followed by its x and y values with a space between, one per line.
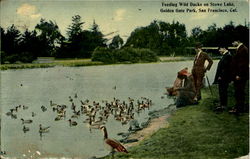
pixel 26 121
pixel 9 113
pixel 43 108
pixel 52 104
pixel 111 143
pixel 58 118
pixel 75 116
pixel 72 123
pixel 96 124
pixel 33 114
pixel 70 99
pixel 43 130
pixel 25 107
pixel 25 129
pixel 13 116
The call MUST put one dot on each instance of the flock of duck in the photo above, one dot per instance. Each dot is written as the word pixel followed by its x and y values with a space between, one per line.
pixel 93 114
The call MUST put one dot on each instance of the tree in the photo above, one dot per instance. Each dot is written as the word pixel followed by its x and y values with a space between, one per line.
pixel 11 40
pixel 116 43
pixel 76 28
pixel 29 46
pixel 161 37
pixel 49 36
pixel 96 39
pixel 196 32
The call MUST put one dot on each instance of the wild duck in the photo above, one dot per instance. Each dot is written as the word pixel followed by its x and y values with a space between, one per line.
pixel 43 108
pixel 25 107
pixel 111 143
pixel 25 129
pixel 33 114
pixel 43 129
pixel 26 121
pixel 72 123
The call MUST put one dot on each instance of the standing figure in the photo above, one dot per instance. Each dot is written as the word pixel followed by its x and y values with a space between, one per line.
pixel 240 75
pixel 199 69
pixel 223 76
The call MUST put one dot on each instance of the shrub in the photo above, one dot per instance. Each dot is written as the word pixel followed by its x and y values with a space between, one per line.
pixel 126 54
pixel 104 55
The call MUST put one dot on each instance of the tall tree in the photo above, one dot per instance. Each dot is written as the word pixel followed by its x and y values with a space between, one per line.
pixel 11 41
pixel 29 46
pixel 76 28
pixel 49 36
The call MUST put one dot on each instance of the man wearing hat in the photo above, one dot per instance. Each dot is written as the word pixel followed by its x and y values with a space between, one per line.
pixel 186 93
pixel 173 91
pixel 199 68
pixel 240 75
pixel 223 76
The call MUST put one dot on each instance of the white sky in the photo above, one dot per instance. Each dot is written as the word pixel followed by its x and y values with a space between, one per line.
pixel 122 16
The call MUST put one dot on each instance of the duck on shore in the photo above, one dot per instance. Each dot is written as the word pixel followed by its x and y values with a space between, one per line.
pixel 111 143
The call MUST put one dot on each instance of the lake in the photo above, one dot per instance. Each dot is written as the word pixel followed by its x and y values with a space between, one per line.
pixel 36 87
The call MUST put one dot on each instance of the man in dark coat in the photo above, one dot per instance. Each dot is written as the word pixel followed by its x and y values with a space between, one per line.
pixel 240 75
pixel 199 68
pixel 223 76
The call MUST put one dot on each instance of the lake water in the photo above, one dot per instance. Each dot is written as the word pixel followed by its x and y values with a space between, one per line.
pixel 36 87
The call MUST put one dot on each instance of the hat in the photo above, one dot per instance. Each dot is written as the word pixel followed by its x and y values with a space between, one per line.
pixel 183 72
pixel 198 45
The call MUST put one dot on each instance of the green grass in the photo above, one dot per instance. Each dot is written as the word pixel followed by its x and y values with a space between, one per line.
pixel 197 132
pixel 67 63
pixel 77 63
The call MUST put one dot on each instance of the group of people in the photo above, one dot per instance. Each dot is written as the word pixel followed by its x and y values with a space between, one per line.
pixel 187 86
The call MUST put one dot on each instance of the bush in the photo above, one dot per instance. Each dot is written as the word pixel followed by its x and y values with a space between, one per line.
pixel 126 54
pixel 26 57
pixel 12 58
pixel 103 54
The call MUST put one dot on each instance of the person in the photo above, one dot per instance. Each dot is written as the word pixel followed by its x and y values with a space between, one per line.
pixel 223 76
pixel 172 91
pixel 199 69
pixel 240 75
pixel 186 93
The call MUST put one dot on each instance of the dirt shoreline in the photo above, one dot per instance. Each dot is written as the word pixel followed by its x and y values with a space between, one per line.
pixel 154 125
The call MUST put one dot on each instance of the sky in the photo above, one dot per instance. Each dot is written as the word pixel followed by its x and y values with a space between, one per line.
pixel 119 16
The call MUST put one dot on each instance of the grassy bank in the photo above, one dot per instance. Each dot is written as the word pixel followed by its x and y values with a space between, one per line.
pixel 197 132
pixel 77 63
pixel 68 63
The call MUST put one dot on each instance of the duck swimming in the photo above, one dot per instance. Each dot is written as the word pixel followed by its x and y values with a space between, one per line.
pixel 72 123
pixel 43 130
pixel 25 129
pixel 26 121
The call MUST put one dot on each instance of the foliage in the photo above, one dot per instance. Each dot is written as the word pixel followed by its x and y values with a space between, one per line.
pixel 80 43
pixel 116 43
pixel 49 37
pixel 126 54
pixel 103 54
pixel 162 38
